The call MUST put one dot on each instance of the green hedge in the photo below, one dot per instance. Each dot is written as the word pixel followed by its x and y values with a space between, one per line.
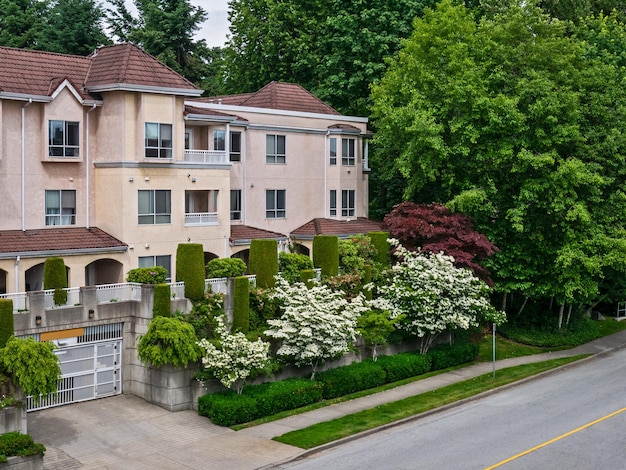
pixel 162 301
pixel 241 304
pixel 383 251
pixel 307 276
pixel 226 267
pixel 351 378
pixel 264 261
pixel 326 254
pixel 55 277
pixel 274 397
pixel 190 269
pixel 291 264
pixel 444 355
pixel 152 275
pixel 227 408
pixel 404 365
pixel 6 321
pixel 15 444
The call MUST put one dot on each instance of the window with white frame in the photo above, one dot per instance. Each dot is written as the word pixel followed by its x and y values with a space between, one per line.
pixel 219 139
pixel 333 202
pixel 347 203
pixel 235 146
pixel 275 204
pixel 275 148
pixel 164 261
pixel 60 207
pixel 201 202
pixel 347 152
pixel 158 140
pixel 63 138
pixel 154 206
pixel 333 150
pixel 235 204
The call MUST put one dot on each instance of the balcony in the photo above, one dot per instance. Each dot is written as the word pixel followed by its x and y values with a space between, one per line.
pixel 209 157
pixel 201 218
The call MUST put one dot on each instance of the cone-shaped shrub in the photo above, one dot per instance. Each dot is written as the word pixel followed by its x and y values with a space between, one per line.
pixel 162 301
pixel 6 321
pixel 326 254
pixel 55 277
pixel 241 304
pixel 383 250
pixel 264 261
pixel 190 269
pixel 307 276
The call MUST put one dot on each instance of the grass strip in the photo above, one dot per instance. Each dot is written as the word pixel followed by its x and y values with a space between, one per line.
pixel 328 431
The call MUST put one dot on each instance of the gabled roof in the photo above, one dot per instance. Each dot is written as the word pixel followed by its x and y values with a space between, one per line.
pixel 277 95
pixel 242 234
pixel 340 228
pixel 51 241
pixel 120 66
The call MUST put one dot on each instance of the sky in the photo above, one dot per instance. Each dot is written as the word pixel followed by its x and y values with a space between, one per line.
pixel 215 29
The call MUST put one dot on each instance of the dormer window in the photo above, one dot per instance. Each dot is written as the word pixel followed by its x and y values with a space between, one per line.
pixel 63 138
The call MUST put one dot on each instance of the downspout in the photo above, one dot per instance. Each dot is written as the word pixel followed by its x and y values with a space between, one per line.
pixel 325 169
pixel 244 196
pixel 23 189
pixel 366 180
pixel 17 273
pixel 87 221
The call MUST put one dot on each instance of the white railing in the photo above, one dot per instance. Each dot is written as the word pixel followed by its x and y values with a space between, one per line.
pixel 118 292
pixel 318 274
pixel 201 218
pixel 177 290
pixel 20 301
pixel 211 157
pixel 216 285
pixel 73 297
pixel 252 279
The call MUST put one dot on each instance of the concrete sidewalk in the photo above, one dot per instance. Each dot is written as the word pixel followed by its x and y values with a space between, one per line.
pixel 125 432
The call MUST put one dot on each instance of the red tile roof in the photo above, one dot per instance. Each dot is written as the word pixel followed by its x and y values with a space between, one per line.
pixel 39 73
pixel 210 112
pixel 277 95
pixel 50 240
pixel 245 233
pixel 341 228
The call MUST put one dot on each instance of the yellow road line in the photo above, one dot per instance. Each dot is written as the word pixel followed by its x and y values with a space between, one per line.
pixel 556 439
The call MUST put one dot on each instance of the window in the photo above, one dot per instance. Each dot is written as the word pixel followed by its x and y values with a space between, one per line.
pixel 163 260
pixel 333 202
pixel 63 139
pixel 235 146
pixel 188 139
pixel 347 203
pixel 347 152
pixel 200 202
pixel 61 207
pixel 275 203
pixel 333 150
pixel 219 139
pixel 274 148
pixel 158 140
pixel 235 204
pixel 155 206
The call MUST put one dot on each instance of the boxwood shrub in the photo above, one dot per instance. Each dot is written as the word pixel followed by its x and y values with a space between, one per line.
pixel 404 365
pixel 326 254
pixel 264 261
pixel 274 397
pixel 55 277
pixel 445 355
pixel 6 321
pixel 190 269
pixel 228 408
pixel 241 304
pixel 383 250
pixel 16 444
pixel 162 302
pixel 351 378
pixel 226 267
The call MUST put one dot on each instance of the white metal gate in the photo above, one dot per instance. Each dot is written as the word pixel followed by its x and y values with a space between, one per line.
pixel 89 370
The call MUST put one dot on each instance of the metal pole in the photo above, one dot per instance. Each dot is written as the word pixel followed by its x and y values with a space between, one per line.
pixel 493 347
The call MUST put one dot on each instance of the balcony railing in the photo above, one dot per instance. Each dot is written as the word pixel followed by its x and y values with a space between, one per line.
pixel 210 157
pixel 201 218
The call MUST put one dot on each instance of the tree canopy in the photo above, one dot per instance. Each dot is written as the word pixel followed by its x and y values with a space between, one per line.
pixel 516 120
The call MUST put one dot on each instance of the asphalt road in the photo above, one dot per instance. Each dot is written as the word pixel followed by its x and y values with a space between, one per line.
pixel 573 419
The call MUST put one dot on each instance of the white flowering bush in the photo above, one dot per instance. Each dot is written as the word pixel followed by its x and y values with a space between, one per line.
pixel 316 324
pixel 434 296
pixel 234 357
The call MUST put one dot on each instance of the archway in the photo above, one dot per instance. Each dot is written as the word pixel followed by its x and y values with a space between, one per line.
pixel 104 271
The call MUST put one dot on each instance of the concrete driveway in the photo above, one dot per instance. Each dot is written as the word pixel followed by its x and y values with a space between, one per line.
pixel 125 432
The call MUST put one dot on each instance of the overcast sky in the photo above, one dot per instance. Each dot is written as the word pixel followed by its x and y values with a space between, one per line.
pixel 215 29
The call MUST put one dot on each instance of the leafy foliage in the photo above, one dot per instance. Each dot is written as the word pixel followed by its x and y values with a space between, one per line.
pixel 153 275
pixel 204 314
pixel 55 277
pixel 16 444
pixel 355 252
pixel 190 269
pixel 162 301
pixel 326 254
pixel 21 22
pixel 226 267
pixel 6 321
pixel 290 265
pixel 264 261
pixel 375 327
pixel 241 304
pixel 169 340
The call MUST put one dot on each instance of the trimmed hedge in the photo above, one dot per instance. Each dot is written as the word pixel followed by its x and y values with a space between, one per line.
pixel 383 250
pixel 274 397
pixel 162 302
pixel 326 254
pixel 226 267
pixel 6 321
pixel 152 275
pixel 241 304
pixel 404 365
pixel 55 277
pixel 190 269
pixel 264 261
pixel 227 408
pixel 15 444
pixel 351 378
pixel 307 276
pixel 444 355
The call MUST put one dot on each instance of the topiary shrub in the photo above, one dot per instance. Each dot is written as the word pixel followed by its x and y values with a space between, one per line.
pixel 226 267
pixel 307 276
pixel 326 254
pixel 227 408
pixel 383 250
pixel 162 301
pixel 291 264
pixel 241 304
pixel 351 378
pixel 13 444
pixel 151 275
pixel 55 277
pixel 169 340
pixel 275 397
pixel 404 365
pixel 6 321
pixel 190 269
pixel 264 261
